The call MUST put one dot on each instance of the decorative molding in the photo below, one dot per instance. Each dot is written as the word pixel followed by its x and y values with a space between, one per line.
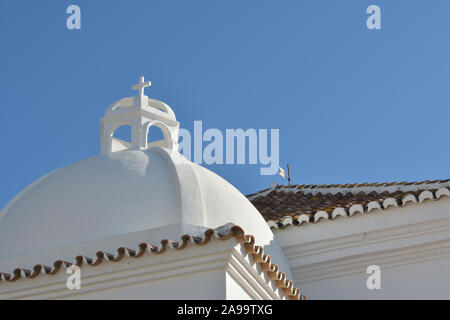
pixel 358 264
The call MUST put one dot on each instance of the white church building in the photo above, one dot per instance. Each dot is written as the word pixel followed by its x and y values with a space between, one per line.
pixel 140 221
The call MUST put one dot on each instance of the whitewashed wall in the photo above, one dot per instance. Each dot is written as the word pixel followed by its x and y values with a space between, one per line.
pixel 411 245
pixel 428 279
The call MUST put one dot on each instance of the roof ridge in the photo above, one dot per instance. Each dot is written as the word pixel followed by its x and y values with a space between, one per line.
pixel 355 187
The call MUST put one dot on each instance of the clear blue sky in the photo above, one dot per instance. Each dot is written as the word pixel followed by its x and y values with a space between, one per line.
pixel 352 104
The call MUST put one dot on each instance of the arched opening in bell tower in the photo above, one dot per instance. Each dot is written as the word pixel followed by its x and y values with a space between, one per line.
pixel 121 137
pixel 158 134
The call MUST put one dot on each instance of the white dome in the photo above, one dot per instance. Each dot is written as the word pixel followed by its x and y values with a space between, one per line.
pixel 124 192
pixel 146 186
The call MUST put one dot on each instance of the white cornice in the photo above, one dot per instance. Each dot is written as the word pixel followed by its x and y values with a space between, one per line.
pixel 357 264
pixel 403 236
pixel 129 271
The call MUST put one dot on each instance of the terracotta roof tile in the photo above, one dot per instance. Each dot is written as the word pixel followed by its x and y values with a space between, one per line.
pixel 285 205
pixel 222 233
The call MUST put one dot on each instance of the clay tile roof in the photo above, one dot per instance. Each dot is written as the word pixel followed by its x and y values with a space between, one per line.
pixel 296 204
pixel 222 233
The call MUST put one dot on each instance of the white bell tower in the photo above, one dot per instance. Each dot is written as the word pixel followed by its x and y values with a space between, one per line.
pixel 140 112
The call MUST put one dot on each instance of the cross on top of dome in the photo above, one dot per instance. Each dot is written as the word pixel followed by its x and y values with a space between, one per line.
pixel 141 85
pixel 140 113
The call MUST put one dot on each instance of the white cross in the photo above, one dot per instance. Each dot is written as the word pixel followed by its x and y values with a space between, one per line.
pixel 141 85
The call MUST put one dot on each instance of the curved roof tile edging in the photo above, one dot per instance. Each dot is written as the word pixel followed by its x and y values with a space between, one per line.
pixel 395 194
pixel 221 233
